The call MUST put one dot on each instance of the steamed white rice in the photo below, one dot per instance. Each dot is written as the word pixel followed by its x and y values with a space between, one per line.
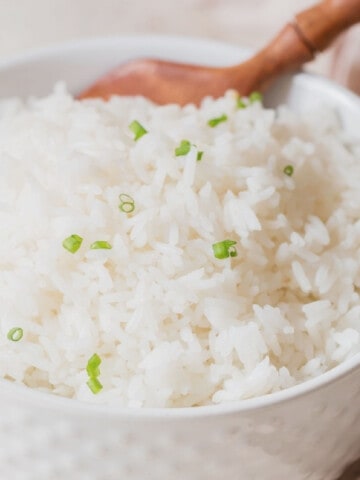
pixel 173 325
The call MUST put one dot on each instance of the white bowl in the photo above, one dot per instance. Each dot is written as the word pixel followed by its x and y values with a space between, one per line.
pixel 310 431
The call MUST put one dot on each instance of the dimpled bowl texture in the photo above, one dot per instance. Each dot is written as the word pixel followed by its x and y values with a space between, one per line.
pixel 311 431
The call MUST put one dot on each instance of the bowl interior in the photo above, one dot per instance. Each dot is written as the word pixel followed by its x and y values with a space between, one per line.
pixel 80 63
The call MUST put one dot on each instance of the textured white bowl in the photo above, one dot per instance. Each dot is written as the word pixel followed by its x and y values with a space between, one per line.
pixel 310 431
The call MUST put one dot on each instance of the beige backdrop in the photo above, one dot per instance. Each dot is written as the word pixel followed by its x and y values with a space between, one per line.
pixel 25 24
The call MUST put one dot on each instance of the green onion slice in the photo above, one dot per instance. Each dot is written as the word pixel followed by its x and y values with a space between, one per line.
pixel 199 156
pixel 100 245
pixel 288 170
pixel 183 149
pixel 93 365
pixel 224 249
pixel 93 371
pixel 72 243
pixel 213 122
pixel 137 129
pixel 240 103
pixel 15 334
pixel 127 204
pixel 94 384
pixel 255 97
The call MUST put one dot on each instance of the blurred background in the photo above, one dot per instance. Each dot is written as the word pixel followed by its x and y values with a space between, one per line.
pixel 25 24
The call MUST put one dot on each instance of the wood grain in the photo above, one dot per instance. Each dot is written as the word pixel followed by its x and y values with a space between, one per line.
pixel 352 472
pixel 322 23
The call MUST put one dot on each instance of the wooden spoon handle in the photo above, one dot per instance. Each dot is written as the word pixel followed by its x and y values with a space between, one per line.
pixel 311 31
pixel 321 24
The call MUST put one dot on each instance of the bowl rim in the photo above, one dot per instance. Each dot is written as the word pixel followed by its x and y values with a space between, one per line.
pixel 38 53
pixel 46 400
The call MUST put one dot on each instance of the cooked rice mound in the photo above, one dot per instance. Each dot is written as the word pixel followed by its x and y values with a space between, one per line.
pixel 173 325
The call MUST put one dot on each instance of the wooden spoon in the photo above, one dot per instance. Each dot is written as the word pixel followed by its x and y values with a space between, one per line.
pixel 167 82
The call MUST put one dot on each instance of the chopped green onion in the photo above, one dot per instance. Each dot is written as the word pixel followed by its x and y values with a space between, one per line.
pixel 137 129
pixel 15 334
pixel 100 245
pixel 240 103
pixel 288 170
pixel 183 149
pixel 215 121
pixel 94 385
pixel 72 243
pixel 93 371
pixel 127 204
pixel 127 207
pixel 125 198
pixel 224 249
pixel 255 97
pixel 93 365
